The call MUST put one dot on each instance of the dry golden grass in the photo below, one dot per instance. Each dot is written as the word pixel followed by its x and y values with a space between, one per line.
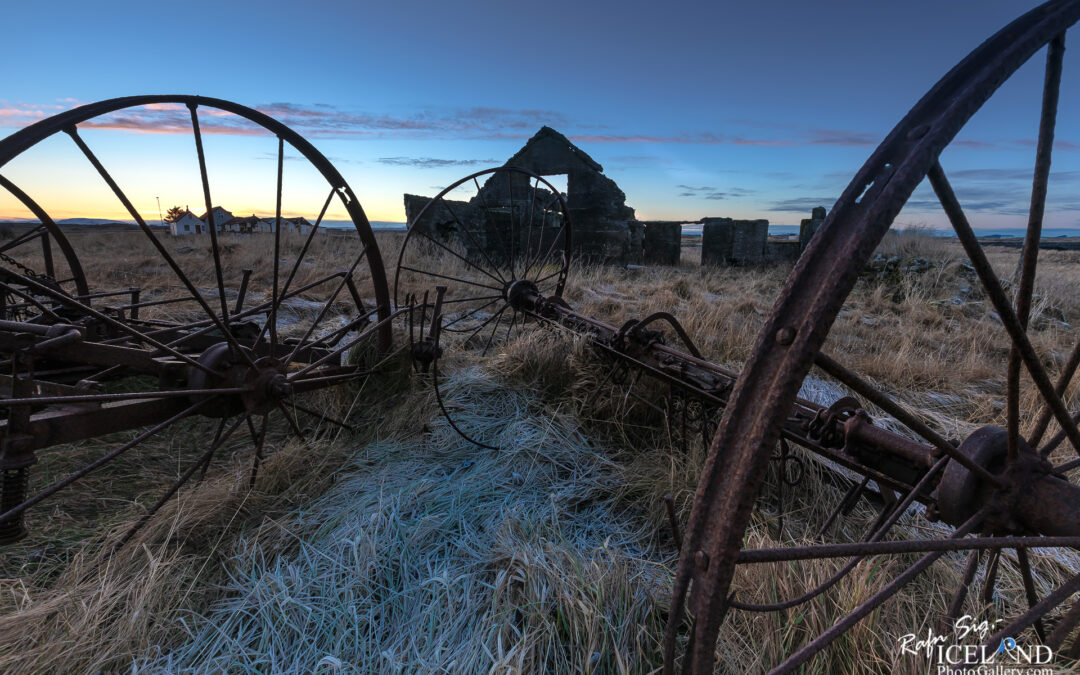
pixel 406 549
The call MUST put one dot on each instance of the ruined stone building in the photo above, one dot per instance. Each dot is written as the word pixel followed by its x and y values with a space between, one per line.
pixel 604 227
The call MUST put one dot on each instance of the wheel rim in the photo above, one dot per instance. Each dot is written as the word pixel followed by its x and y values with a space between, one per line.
pixel 796 330
pixel 495 250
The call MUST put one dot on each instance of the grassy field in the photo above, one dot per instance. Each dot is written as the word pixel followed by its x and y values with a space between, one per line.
pixel 399 547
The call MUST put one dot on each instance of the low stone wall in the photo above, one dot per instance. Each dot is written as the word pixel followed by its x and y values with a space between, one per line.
pixel 725 241
pixel 663 242
pixel 782 250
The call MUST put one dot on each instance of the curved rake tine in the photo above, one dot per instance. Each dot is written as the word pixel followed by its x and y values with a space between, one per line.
pixel 204 460
pixel 33 301
pixel 879 529
pixel 446 415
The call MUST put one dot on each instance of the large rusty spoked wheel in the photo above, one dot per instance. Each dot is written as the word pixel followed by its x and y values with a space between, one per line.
pixel 46 243
pixel 997 484
pixel 489 238
pixel 236 324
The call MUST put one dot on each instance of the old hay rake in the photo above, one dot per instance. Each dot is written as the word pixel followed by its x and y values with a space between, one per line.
pixel 218 351
pixel 994 490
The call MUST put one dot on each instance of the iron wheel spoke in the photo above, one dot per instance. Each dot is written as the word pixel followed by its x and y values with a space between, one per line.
pixel 326 307
pixel 260 441
pixel 1060 595
pixel 209 213
pixel 1029 587
pixel 202 461
pixel 494 223
pixel 472 312
pixel 1001 304
pixel 277 248
pixel 74 134
pixel 299 260
pixel 99 462
pixel 496 277
pixel 449 278
pixel 1030 256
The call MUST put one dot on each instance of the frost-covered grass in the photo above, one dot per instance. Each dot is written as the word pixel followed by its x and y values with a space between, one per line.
pixel 432 555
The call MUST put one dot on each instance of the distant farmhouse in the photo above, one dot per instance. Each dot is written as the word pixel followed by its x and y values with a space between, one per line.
pixel 188 223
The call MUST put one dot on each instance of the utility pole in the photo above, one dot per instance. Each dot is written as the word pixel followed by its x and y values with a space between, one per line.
pixel 161 220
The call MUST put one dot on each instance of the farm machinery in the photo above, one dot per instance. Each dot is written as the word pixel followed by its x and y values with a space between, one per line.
pixel 219 350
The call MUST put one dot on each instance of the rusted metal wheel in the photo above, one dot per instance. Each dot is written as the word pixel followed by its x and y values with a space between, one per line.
pixel 208 340
pixel 997 484
pixel 489 238
pixel 60 267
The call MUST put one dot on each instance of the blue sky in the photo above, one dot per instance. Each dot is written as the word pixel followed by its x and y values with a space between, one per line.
pixel 756 110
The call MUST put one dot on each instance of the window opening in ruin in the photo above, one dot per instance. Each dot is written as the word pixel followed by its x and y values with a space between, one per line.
pixel 559 181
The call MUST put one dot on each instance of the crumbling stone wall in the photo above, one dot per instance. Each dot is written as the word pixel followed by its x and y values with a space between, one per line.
pixel 663 242
pixel 809 226
pixel 782 250
pixel 725 241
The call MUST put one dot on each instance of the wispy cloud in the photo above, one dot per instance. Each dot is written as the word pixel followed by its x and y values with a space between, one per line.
pixel 710 192
pixel 1005 191
pixel 314 120
pixel 638 161
pixel 434 163
pixel 322 120
pixel 801 204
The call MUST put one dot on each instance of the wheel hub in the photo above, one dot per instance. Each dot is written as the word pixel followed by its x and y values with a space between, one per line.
pixel 265 383
pixel 521 294
pixel 1030 499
